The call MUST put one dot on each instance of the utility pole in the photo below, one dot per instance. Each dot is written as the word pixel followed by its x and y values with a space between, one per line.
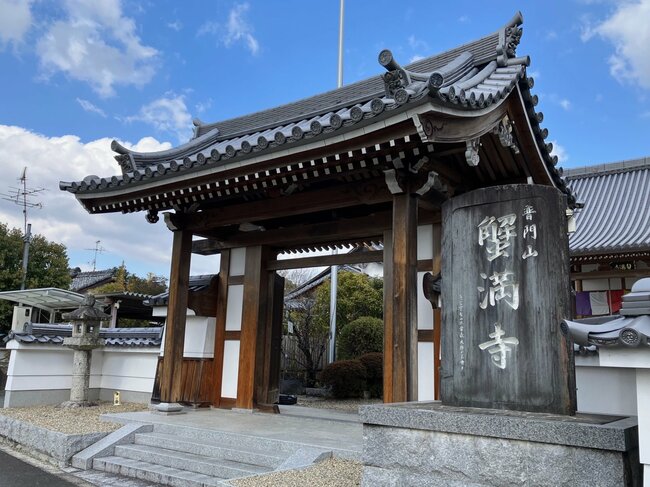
pixel 22 196
pixel 334 270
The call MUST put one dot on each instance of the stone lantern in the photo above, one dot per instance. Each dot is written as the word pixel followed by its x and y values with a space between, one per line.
pixel 85 322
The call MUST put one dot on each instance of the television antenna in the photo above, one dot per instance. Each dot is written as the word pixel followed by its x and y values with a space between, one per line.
pixel 23 196
pixel 98 249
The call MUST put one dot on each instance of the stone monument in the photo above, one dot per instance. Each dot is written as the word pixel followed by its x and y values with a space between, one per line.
pixel 85 322
pixel 508 398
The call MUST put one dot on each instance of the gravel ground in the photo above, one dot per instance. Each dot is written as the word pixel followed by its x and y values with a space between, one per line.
pixel 334 472
pixel 72 420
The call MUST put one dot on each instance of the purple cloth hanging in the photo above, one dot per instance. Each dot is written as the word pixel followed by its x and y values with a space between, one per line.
pixel 583 303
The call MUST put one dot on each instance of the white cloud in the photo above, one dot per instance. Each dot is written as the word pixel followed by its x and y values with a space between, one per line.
pixel 463 19
pixel 62 219
pixel 15 21
pixel 236 29
pixel 559 151
pixel 203 106
pixel 98 45
pixel 89 107
pixel 415 57
pixel 176 25
pixel 167 114
pixel 417 44
pixel 534 74
pixel 628 29
pixel 551 35
pixel 564 103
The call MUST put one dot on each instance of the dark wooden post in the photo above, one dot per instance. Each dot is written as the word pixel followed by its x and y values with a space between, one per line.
pixel 437 321
pixel 254 316
pixel 400 300
pixel 220 327
pixel 171 380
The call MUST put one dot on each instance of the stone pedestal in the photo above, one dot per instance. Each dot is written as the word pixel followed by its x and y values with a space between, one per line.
pixel 428 444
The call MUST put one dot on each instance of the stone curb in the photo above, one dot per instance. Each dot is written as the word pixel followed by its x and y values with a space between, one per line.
pixel 106 446
pixel 58 446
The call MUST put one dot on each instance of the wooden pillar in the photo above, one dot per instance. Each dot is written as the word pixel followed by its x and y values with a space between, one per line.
pixel 437 321
pixel 400 313
pixel 254 317
pixel 171 379
pixel 220 327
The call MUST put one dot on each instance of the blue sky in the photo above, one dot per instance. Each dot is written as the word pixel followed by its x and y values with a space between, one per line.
pixel 77 73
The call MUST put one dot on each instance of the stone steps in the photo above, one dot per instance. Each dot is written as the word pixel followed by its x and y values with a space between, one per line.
pixel 151 472
pixel 183 456
pixel 214 467
pixel 228 440
pixel 252 456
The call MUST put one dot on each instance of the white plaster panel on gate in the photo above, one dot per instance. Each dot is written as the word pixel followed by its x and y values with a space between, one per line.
pixel 425 371
pixel 199 337
pixel 235 304
pixel 606 390
pixel 625 357
pixel 160 311
pixel 595 284
pixel 425 242
pixel 230 373
pixel 425 311
pixel 237 261
pixel 643 404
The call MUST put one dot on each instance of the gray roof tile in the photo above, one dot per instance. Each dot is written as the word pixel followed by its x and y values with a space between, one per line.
pixel 615 217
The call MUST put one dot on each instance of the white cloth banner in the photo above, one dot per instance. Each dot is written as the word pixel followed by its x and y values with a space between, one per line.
pixel 599 304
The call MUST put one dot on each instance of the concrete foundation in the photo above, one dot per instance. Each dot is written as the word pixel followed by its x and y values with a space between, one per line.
pixel 427 444
pixel 17 399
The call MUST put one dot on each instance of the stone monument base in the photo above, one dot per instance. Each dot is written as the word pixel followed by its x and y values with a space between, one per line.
pixel 428 444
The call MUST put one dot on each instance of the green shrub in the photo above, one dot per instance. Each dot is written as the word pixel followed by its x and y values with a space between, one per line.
pixel 374 364
pixel 346 378
pixel 363 335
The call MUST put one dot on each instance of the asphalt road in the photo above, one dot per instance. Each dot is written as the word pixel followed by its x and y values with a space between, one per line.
pixel 16 473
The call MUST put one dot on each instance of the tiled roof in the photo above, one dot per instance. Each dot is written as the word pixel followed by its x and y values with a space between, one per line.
pixel 615 217
pixel 197 283
pixel 53 334
pixel 629 329
pixel 85 280
pixel 471 77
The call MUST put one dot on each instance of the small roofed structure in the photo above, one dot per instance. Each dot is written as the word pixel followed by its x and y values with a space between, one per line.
pixel 371 162
pixel 610 249
pixel 82 282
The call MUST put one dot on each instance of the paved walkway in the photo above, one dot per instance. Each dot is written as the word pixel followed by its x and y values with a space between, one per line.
pixel 16 473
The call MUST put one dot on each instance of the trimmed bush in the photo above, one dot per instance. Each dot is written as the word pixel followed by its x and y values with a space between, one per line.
pixel 374 364
pixel 346 378
pixel 363 335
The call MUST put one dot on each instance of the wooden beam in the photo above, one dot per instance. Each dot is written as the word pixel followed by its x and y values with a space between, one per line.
pixel 609 274
pixel 340 196
pixel 324 233
pixel 171 380
pixel 327 260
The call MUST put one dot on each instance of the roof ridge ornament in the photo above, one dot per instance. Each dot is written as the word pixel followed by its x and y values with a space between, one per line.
pixel 509 38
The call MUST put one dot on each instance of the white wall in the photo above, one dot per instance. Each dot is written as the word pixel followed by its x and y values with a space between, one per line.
pixel 49 368
pixel 605 390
